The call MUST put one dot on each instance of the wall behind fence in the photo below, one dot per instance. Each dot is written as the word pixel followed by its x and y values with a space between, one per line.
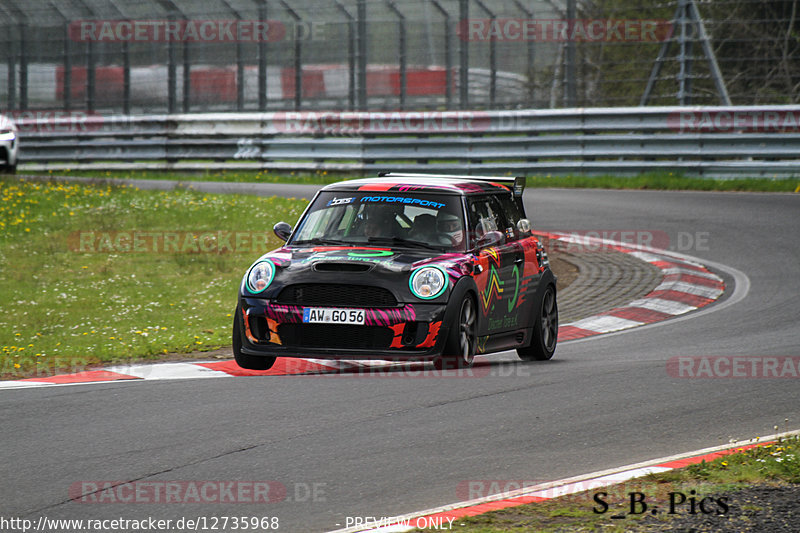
pixel 260 55
pixel 704 141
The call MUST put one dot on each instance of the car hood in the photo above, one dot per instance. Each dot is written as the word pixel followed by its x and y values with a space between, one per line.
pixel 355 259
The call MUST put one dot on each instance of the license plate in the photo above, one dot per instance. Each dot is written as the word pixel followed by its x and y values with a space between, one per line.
pixel 329 315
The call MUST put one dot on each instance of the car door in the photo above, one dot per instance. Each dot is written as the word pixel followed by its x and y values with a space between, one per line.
pixel 527 274
pixel 501 263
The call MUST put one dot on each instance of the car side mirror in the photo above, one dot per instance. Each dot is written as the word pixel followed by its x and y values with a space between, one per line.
pixel 282 230
pixel 524 227
pixel 490 239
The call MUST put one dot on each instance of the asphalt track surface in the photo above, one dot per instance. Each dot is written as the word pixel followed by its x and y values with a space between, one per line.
pixel 376 446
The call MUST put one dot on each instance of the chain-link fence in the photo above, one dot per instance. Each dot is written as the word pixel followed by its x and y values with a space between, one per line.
pixel 247 55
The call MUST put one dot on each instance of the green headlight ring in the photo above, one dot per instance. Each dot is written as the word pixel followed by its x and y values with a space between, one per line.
pixel 431 297
pixel 269 281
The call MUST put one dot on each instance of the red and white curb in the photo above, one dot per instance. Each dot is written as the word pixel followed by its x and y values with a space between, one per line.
pixel 686 286
pixel 554 489
pixel 198 369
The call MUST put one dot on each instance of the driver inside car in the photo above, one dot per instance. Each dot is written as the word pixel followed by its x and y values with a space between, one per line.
pixel 449 226
pixel 380 224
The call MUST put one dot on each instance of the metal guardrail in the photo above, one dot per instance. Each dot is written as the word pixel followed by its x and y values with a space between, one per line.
pixel 707 141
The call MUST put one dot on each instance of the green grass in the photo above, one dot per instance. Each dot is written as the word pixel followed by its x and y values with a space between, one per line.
pixel 650 180
pixel 73 296
pixel 770 464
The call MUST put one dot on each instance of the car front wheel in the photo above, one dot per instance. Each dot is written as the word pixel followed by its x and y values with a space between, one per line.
pixel 459 350
pixel 545 330
pixel 250 362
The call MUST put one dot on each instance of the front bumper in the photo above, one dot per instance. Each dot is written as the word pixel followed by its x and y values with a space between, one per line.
pixel 405 332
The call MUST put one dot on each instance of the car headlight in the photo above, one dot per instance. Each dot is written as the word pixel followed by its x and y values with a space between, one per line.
pixel 428 282
pixel 260 276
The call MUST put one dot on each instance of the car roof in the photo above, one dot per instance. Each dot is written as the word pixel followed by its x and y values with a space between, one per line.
pixel 442 184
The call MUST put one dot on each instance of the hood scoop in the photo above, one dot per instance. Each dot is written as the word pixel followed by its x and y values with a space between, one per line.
pixel 331 266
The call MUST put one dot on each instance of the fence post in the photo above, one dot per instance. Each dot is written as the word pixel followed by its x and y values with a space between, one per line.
pixel 351 55
pixel 172 82
pixel 401 26
pixel 362 55
pixel 187 77
pixel 463 70
pixel 12 71
pixel 531 54
pixel 262 59
pixel 126 78
pixel 569 69
pixel 448 60
pixel 492 55
pixel 298 57
pixel 23 67
pixel 66 83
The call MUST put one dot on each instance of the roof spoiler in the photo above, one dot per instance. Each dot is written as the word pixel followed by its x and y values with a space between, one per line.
pixel 515 184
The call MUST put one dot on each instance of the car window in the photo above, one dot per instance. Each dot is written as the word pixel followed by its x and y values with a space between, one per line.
pixel 513 215
pixel 485 215
pixel 365 218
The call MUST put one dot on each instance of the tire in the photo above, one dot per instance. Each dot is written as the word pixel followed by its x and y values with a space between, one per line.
pixel 461 344
pixel 545 330
pixel 249 362
pixel 9 169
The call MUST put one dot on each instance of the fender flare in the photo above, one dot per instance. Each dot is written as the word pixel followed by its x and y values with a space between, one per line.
pixel 465 285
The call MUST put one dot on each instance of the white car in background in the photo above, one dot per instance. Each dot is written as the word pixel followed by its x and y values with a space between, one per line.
pixel 9 145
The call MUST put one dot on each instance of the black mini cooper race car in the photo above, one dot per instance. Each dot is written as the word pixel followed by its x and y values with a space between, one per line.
pixel 402 267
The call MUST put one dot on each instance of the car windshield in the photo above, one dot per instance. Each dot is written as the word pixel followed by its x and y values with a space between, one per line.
pixel 418 220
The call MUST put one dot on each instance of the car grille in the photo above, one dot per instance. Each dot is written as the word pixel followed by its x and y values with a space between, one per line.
pixel 335 336
pixel 336 295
